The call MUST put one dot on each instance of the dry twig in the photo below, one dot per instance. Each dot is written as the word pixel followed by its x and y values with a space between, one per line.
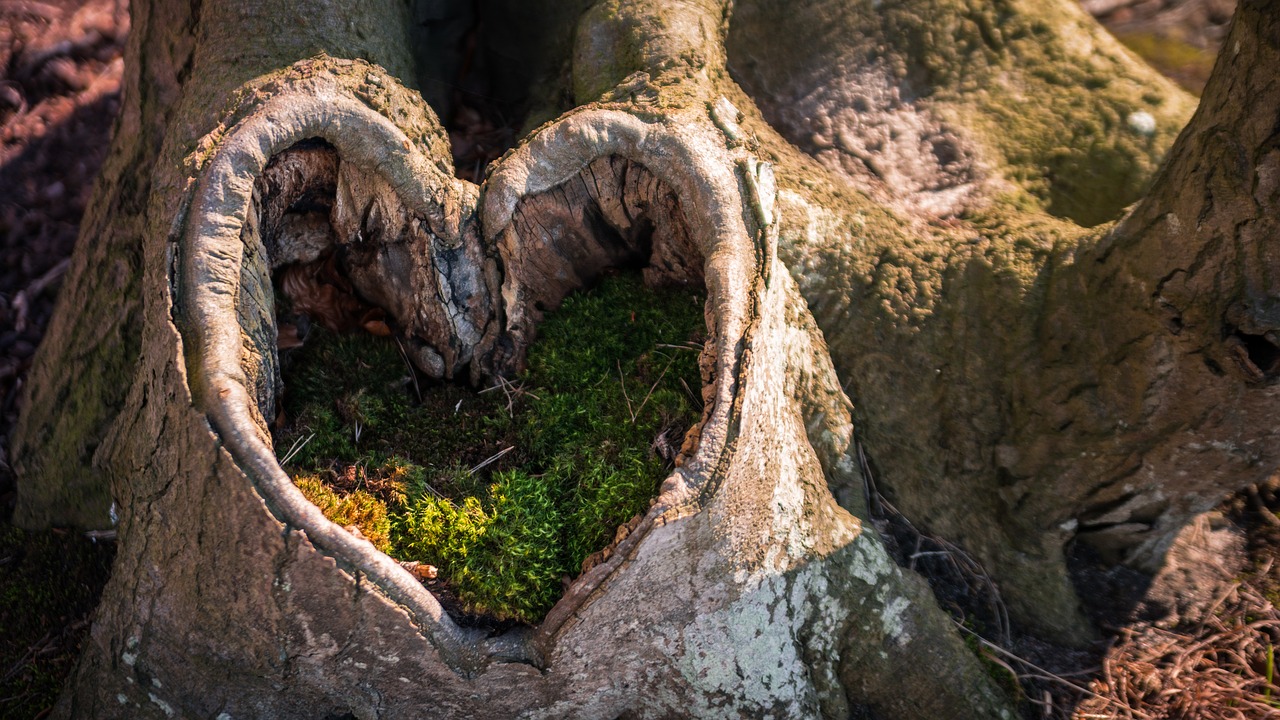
pixel 22 301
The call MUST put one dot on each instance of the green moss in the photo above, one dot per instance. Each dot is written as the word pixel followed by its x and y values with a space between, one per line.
pixel 509 560
pixel 611 387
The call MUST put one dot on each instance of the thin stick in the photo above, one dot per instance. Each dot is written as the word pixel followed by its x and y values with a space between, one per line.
pixel 26 657
pixel 929 552
pixel 506 391
pixel 1043 674
pixel 296 449
pixel 22 301
pixel 508 387
pixel 490 460
pixel 651 389
pixel 869 483
pixel 689 391
pixel 915 552
pixel 413 373
pixel 1220 599
pixel 623 382
pixel 1017 677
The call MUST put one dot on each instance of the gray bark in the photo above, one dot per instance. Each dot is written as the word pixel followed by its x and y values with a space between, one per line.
pixel 1018 378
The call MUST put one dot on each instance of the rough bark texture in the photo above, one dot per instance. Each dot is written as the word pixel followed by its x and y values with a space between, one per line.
pixel 1018 379
pixel 994 372
pixel 1187 282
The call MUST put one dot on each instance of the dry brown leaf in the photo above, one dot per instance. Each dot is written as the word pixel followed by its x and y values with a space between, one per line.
pixel 320 291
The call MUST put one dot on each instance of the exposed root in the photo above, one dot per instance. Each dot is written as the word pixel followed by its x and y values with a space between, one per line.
pixel 614 196
pixel 357 199
pixel 634 179
pixel 224 287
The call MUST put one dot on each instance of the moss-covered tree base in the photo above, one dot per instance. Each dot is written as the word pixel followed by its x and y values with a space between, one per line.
pixel 1019 379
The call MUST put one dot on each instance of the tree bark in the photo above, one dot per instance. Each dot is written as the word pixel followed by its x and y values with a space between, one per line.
pixel 868 218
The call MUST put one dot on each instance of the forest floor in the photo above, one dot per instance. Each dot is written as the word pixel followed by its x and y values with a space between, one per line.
pixel 60 71
pixel 1169 653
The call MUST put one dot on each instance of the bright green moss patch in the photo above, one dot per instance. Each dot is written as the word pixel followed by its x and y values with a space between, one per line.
pixel 506 491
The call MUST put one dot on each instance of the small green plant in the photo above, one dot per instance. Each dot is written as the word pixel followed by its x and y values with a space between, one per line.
pixel 506 491
pixel 1271 668
pixel 998 670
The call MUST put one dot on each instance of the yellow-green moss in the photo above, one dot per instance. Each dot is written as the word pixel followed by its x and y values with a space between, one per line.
pixel 1077 123
pixel 357 508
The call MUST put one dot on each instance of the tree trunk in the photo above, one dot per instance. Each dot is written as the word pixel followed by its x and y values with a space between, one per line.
pixel 900 203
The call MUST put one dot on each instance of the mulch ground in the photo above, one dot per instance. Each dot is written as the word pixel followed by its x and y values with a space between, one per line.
pixel 1209 654
pixel 60 70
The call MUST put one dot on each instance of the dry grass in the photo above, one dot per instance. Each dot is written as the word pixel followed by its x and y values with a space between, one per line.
pixel 1220 668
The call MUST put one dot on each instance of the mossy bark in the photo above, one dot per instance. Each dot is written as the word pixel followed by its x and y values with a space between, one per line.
pixel 1018 391
pixel 1017 377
